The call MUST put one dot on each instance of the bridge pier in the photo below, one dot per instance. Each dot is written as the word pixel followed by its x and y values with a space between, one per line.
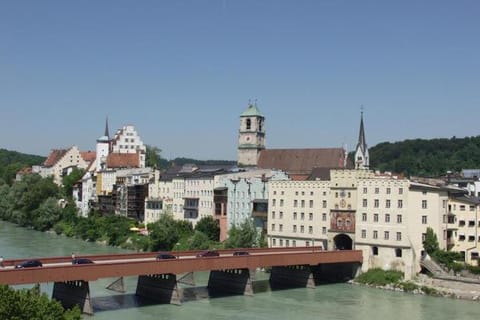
pixel 72 293
pixel 161 288
pixel 300 276
pixel 234 281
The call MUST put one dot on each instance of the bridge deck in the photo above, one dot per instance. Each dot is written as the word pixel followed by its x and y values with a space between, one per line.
pixel 60 269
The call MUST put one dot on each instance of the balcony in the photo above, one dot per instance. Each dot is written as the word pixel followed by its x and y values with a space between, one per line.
pixel 260 208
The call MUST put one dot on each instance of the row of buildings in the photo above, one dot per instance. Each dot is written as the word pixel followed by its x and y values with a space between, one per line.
pixel 297 197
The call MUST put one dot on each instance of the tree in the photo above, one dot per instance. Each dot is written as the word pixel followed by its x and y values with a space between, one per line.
pixel 199 241
pixel 244 236
pixel 430 244
pixel 47 215
pixel 152 156
pixel 31 304
pixel 163 233
pixel 70 180
pixel 210 227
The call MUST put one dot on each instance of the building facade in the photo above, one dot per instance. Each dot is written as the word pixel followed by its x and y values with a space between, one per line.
pixel 251 137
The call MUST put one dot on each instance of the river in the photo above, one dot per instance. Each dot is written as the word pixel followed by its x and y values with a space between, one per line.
pixel 329 302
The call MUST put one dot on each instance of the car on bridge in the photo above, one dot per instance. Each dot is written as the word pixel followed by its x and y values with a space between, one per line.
pixel 165 255
pixel 82 261
pixel 29 264
pixel 241 253
pixel 208 253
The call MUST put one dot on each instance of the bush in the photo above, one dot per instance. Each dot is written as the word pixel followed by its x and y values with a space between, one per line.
pixel 380 277
pixel 474 269
pixel 408 286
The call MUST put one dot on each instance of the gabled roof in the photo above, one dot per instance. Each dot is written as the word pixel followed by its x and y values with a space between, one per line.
pixel 88 156
pixel 123 160
pixel 252 111
pixel 54 156
pixel 302 161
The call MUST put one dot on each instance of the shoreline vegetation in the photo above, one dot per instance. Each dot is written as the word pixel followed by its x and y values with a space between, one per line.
pixel 421 285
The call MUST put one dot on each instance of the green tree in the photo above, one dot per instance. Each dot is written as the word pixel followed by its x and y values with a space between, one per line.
pixel 152 156
pixel 244 236
pixel 210 227
pixel 430 244
pixel 47 215
pixel 69 180
pixel 199 241
pixel 31 304
pixel 163 233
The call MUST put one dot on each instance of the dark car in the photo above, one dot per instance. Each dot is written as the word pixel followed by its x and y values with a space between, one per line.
pixel 82 261
pixel 208 253
pixel 241 253
pixel 29 264
pixel 165 255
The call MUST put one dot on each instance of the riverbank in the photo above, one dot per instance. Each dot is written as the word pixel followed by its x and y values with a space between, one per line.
pixel 425 285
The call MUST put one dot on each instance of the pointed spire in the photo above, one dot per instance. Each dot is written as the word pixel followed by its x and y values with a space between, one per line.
pixel 362 143
pixel 106 128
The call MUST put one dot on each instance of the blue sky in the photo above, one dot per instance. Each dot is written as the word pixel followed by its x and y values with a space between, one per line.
pixel 183 71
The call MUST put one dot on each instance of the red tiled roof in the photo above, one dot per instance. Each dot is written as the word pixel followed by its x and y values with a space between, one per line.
pixel 54 156
pixel 123 160
pixel 301 162
pixel 26 170
pixel 88 156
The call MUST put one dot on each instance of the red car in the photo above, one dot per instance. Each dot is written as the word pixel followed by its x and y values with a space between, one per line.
pixel 208 253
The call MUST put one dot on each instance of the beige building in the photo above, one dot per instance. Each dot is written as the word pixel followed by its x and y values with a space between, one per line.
pixel 385 216
pixel 60 162
pixel 464 224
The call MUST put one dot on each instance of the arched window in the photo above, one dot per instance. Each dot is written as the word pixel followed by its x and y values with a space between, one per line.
pixel 249 124
pixel 375 251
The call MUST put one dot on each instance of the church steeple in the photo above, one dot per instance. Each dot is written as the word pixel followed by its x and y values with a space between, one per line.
pixel 251 139
pixel 361 154
pixel 106 128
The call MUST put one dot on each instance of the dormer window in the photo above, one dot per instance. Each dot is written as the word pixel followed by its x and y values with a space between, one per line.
pixel 249 124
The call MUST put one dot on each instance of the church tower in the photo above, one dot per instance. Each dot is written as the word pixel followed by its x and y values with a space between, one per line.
pixel 362 160
pixel 103 148
pixel 251 138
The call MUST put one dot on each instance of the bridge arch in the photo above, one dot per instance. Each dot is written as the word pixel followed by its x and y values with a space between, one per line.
pixel 343 242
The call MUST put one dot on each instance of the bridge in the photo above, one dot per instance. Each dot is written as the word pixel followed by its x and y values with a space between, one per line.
pixel 293 266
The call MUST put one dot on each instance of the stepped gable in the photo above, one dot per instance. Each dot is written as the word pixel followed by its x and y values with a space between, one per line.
pixel 299 163
pixel 54 156
pixel 123 160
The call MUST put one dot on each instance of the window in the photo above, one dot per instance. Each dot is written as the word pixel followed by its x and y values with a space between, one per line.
pixel 274 201
pixel 387 204
pixel 311 204
pixel 386 235
pixel 376 203
pixel 472 208
pixel 310 216
pixel 287 243
pixel 336 194
pixel 400 204
pixel 398 252
pixel 302 229
pixel 324 230
pixel 294 228
pixel 461 223
pixel 375 234
pixel 471 223
pixel 295 203
pixel 389 190
pixel 364 203
pixel 324 217
pixel 462 207
pixel 400 190
pixel 303 203
pixel 387 217
pixel 364 233
pixel 365 190
pixel 461 237
pixel 281 202
pixel 471 238
pixel 364 217
pixel 424 204
pixel 294 216
pixel 324 203
pixel 375 251
pixel 281 214
pixel 399 236
pixel 274 242
pixel 311 193
pixel 248 124
pixel 399 218
pixel 377 190
pixel 424 236
pixel 273 227
pixel 310 229
pixel 424 219
pixel 294 243
pixel 280 227
pixel 281 242
pixel 375 217
pixel 296 193
pixel 302 215
pixel 307 243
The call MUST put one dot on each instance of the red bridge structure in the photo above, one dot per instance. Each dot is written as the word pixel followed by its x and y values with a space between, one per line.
pixel 158 279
